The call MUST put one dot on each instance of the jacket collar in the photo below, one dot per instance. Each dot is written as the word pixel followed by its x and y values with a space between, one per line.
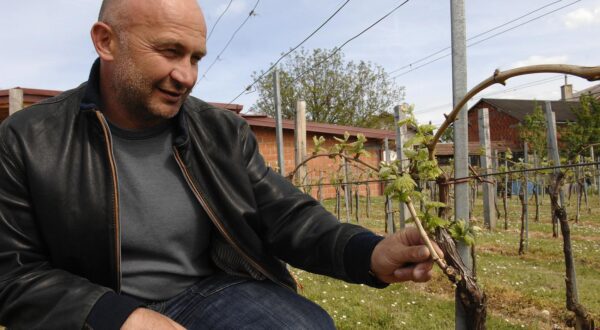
pixel 93 101
pixel 91 97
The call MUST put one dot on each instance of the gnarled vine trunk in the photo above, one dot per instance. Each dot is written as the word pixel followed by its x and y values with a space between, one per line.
pixel 582 319
pixel 470 295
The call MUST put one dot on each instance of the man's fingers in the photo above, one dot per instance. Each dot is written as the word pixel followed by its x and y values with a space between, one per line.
pixel 411 236
pixel 421 272
pixel 400 255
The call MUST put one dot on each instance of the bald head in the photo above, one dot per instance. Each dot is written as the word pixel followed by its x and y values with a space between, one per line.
pixel 149 52
pixel 118 13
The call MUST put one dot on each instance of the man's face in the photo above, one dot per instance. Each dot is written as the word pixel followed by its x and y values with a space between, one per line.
pixel 156 65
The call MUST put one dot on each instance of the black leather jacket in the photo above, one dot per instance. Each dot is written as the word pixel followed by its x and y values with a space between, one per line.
pixel 59 210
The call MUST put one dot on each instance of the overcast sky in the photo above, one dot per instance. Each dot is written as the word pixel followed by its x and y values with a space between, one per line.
pixel 45 44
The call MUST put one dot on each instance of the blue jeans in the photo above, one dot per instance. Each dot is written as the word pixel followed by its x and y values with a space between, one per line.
pixel 230 302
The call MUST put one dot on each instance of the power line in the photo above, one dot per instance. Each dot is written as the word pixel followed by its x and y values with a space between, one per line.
pixel 475 36
pixel 479 41
pixel 212 29
pixel 252 13
pixel 337 49
pixel 291 50
pixel 518 87
pixel 526 22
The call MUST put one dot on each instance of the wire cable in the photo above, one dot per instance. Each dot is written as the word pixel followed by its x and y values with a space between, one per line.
pixel 518 87
pixel 479 41
pixel 252 13
pixel 337 49
pixel 475 36
pixel 212 29
pixel 249 87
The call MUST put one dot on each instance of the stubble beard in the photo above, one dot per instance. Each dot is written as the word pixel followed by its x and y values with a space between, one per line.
pixel 134 92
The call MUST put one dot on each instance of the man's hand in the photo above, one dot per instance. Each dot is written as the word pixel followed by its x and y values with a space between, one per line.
pixel 403 257
pixel 147 319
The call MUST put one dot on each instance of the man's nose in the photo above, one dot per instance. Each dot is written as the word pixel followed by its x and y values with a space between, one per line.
pixel 185 74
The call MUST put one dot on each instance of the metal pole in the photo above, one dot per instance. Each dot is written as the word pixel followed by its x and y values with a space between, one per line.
pixel 461 148
pixel 400 136
pixel 278 122
pixel 489 214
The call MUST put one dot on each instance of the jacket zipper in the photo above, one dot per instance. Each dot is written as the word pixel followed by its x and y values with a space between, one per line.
pixel 215 220
pixel 113 169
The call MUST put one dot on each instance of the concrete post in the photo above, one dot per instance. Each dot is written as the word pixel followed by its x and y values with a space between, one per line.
pixel 400 139
pixel 461 148
pixel 389 219
pixel 489 214
pixel 594 168
pixel 300 139
pixel 526 195
pixel 15 100
pixel 278 123
pixel 553 143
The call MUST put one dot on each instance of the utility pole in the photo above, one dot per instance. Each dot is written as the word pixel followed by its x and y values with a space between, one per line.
pixel 461 147
pixel 278 122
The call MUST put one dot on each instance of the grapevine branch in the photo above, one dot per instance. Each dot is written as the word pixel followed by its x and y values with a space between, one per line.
pixel 500 77
pixel 291 175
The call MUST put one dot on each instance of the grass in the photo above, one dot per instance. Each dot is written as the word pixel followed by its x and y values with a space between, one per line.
pixel 524 292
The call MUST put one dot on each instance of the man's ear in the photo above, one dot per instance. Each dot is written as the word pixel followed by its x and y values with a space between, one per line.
pixel 105 40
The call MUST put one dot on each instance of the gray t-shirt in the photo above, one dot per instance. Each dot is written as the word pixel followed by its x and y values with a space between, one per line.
pixel 165 233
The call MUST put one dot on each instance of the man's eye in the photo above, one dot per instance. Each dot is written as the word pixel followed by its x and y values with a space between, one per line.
pixel 170 52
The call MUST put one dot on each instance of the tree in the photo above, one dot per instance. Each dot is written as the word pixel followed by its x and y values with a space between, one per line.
pixel 585 131
pixel 533 131
pixel 337 92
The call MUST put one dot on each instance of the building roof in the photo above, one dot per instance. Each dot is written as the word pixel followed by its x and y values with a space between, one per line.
pixel 520 108
pixel 31 96
pixel 312 127
pixel 447 149
pixel 594 90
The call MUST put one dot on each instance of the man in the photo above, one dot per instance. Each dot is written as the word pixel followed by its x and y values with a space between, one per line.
pixel 125 203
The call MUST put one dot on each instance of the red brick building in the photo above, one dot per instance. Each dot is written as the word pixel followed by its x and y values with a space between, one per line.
pixel 264 128
pixel 506 114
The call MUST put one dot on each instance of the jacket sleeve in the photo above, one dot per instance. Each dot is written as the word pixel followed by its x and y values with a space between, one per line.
pixel 33 294
pixel 298 230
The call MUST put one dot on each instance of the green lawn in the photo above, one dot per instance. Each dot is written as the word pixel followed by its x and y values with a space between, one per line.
pixel 524 292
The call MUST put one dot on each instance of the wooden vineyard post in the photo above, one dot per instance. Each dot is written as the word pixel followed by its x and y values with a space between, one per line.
pixel 400 139
pixel 553 154
pixel 489 214
pixel 390 226
pixel 300 140
pixel 278 122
